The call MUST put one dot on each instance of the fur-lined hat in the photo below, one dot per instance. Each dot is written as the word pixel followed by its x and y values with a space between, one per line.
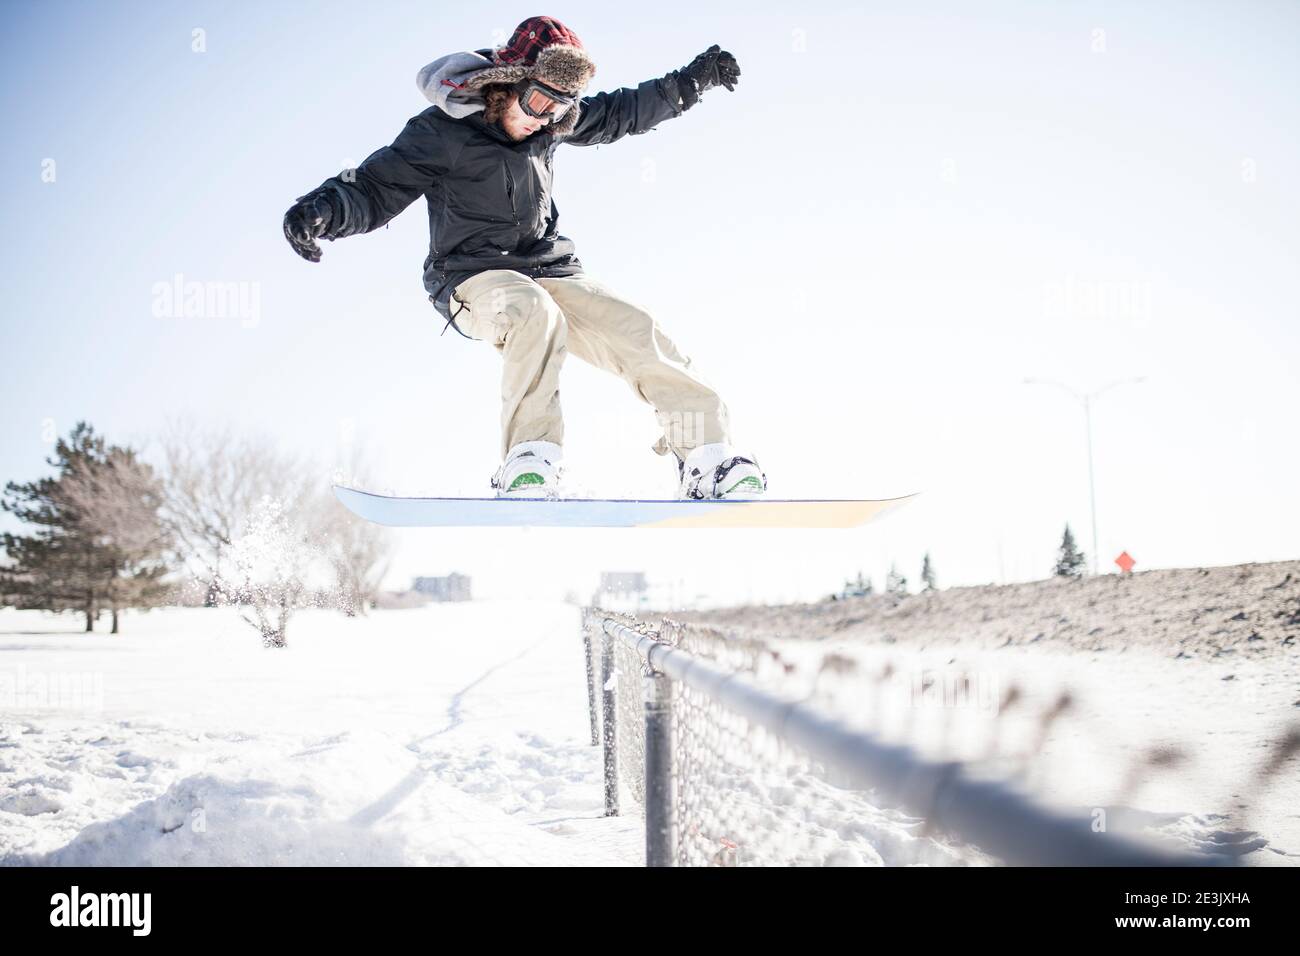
pixel 545 49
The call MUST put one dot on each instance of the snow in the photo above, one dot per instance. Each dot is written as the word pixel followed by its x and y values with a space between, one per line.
pixel 453 734
pixel 1199 663
pixel 458 734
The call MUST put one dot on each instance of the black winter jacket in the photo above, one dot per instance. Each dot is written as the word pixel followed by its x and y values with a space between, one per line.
pixel 489 198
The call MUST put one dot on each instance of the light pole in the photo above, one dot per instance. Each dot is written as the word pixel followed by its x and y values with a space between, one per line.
pixel 1087 398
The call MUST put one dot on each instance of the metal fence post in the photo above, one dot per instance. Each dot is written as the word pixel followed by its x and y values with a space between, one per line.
pixel 591 682
pixel 609 723
pixel 660 804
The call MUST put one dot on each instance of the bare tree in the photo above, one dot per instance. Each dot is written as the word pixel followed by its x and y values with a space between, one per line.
pixel 359 552
pixel 215 480
pixel 244 518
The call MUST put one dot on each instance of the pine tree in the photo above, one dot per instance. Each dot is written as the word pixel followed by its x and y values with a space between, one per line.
pixel 1069 559
pixel 927 574
pixel 98 543
pixel 895 583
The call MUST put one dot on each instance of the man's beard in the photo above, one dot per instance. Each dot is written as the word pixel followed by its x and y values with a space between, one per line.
pixel 514 138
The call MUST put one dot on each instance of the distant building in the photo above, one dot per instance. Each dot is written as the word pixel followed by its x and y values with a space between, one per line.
pixel 620 590
pixel 623 583
pixel 453 587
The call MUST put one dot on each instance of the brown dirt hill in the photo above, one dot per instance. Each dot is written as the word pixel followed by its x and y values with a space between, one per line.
pixel 1248 611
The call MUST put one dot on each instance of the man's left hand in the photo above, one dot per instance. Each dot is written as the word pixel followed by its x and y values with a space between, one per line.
pixel 714 67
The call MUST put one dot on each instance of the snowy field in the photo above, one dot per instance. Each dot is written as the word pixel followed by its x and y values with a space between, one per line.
pixel 443 735
pixel 458 734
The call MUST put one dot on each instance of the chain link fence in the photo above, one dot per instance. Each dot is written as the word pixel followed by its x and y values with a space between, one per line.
pixel 717 742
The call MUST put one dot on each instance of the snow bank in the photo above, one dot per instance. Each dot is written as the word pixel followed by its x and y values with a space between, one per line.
pixel 454 734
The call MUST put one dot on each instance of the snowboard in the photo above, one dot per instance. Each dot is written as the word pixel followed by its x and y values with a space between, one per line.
pixel 610 512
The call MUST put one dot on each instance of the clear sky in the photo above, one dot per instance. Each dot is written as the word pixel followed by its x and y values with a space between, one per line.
pixel 903 211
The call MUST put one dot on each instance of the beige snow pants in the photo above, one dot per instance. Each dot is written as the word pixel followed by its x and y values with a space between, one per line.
pixel 534 323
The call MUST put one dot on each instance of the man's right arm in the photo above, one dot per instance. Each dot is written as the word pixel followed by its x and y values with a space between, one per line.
pixel 366 198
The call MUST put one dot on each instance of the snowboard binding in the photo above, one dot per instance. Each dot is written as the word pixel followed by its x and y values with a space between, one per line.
pixel 711 472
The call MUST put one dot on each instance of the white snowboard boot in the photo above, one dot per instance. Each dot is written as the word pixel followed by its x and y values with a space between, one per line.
pixel 532 469
pixel 715 471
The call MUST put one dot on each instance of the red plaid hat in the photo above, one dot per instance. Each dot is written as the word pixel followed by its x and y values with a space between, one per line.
pixel 530 37
pixel 542 48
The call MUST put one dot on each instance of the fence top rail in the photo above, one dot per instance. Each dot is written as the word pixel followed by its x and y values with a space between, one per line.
pixel 990 814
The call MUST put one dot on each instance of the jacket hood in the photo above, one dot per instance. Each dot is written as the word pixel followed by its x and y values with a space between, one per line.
pixel 442 82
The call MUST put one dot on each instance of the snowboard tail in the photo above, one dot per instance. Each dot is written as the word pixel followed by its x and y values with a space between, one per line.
pixel 400 512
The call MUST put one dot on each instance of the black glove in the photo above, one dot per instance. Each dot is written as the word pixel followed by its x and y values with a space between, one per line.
pixel 714 67
pixel 306 221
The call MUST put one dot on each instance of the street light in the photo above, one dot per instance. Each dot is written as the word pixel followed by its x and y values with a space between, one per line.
pixel 1087 398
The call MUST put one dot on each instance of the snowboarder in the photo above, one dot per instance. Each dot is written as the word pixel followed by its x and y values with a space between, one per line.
pixel 499 270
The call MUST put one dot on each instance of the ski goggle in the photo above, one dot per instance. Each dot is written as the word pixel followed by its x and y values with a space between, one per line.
pixel 539 100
